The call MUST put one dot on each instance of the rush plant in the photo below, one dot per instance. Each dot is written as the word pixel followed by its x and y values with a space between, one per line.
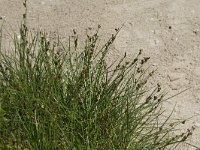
pixel 57 96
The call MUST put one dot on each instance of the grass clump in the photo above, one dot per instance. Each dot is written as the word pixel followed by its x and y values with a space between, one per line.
pixel 57 97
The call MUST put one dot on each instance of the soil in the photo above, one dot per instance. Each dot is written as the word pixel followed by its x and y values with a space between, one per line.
pixel 168 31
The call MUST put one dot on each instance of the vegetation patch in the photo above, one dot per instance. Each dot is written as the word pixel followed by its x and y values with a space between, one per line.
pixel 54 96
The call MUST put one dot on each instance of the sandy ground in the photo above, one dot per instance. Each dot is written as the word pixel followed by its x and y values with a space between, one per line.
pixel 167 30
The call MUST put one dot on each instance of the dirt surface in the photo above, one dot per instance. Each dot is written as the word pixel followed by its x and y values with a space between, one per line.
pixel 167 30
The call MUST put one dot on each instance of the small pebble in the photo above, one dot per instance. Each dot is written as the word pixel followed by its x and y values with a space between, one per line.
pixel 18 37
pixel 197 112
pixel 196 125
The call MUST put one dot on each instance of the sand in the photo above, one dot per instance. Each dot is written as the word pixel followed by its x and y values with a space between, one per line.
pixel 167 30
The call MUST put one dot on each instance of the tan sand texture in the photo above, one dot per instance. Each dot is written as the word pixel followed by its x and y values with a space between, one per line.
pixel 167 30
